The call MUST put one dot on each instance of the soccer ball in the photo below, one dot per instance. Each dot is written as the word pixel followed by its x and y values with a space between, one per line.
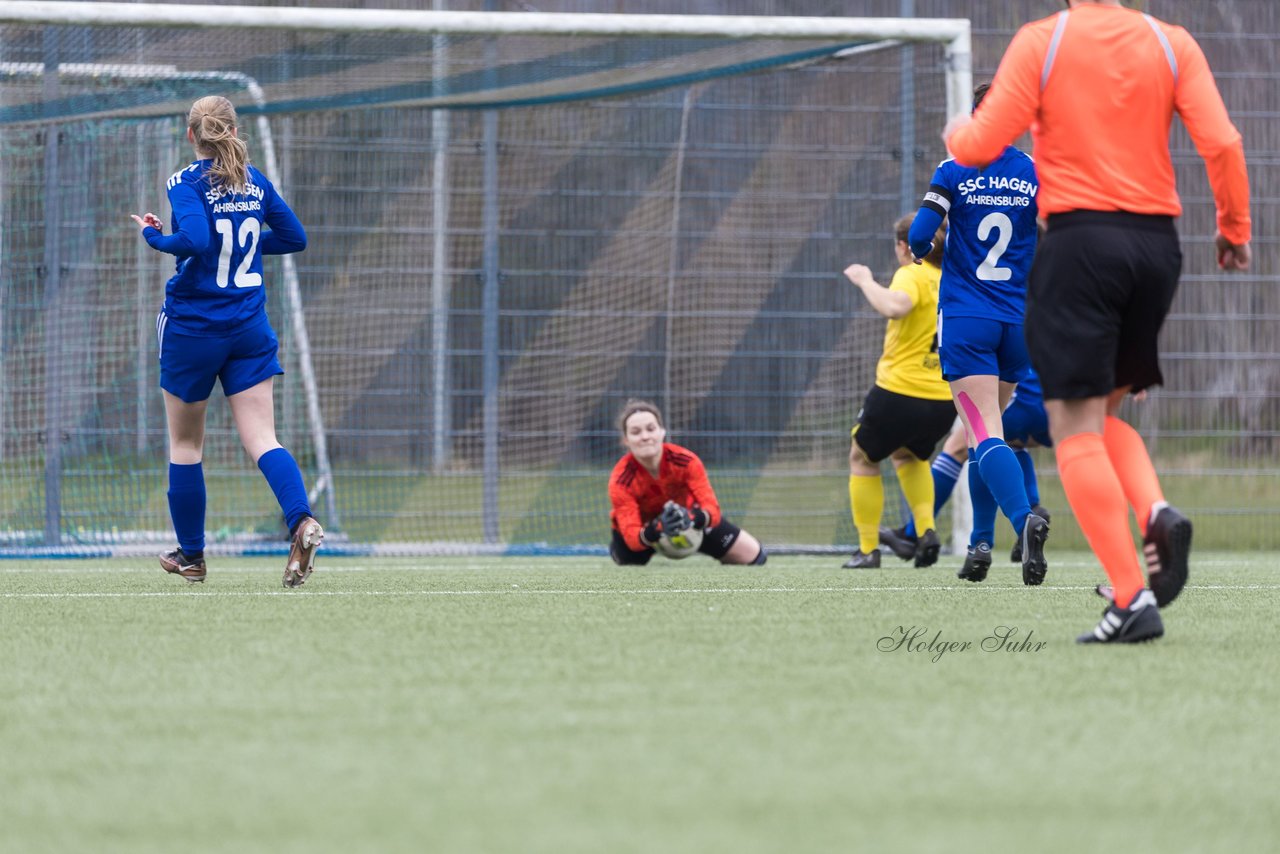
pixel 681 545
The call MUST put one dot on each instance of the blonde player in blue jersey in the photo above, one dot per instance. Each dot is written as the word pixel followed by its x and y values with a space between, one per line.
pixel 991 239
pixel 213 327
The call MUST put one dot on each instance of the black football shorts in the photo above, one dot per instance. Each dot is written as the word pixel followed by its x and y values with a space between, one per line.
pixel 889 421
pixel 1100 289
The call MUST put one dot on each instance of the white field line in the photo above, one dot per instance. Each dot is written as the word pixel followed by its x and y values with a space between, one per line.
pixel 517 591
pixel 72 568
pixel 487 565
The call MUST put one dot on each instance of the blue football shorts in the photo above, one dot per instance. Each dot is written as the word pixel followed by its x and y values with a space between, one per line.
pixel 189 364
pixel 977 346
pixel 1025 422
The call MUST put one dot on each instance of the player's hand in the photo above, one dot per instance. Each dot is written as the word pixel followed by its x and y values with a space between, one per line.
pixel 859 274
pixel 148 220
pixel 675 519
pixel 701 518
pixel 653 531
pixel 1232 256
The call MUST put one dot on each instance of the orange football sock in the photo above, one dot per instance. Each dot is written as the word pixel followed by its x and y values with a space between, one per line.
pixel 1097 499
pixel 1133 466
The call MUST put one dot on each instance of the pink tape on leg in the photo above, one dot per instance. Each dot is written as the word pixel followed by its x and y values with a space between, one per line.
pixel 971 414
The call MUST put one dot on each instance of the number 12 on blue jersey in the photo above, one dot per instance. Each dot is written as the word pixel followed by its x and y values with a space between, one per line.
pixel 247 241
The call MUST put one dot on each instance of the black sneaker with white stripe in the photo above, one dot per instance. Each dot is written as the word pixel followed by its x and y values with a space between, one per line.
pixel 193 569
pixel 1167 548
pixel 1135 624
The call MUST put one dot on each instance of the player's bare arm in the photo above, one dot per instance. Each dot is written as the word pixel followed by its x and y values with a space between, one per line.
pixel 892 304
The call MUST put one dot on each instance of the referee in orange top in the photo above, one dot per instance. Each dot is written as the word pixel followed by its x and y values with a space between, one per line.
pixel 1098 85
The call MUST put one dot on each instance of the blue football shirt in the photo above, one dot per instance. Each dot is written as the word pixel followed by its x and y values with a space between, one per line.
pixel 991 235
pixel 219 239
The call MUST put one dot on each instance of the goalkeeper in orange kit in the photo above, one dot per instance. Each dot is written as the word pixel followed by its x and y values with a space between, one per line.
pixel 659 488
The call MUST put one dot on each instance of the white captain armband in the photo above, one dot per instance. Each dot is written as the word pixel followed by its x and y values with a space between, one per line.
pixel 936 202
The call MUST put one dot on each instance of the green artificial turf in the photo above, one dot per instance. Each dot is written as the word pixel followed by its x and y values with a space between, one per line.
pixel 563 704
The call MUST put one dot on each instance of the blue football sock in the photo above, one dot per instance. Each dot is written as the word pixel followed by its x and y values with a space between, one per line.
pixel 1003 476
pixel 187 505
pixel 282 473
pixel 1029 481
pixel 946 471
pixel 984 506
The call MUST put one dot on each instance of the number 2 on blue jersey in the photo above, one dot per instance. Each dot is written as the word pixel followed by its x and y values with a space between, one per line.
pixel 988 270
pixel 250 228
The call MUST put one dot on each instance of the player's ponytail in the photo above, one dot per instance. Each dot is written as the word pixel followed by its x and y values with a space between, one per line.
pixel 212 122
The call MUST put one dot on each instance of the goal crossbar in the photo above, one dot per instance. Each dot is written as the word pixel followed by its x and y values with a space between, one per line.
pixel 478 23
pixel 953 33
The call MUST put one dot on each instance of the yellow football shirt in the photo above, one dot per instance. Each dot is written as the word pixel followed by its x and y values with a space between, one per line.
pixel 909 364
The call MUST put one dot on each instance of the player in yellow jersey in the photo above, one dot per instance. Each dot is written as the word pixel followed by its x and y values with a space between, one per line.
pixel 908 410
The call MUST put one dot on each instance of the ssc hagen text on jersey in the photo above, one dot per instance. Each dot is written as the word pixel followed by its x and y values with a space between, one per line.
pixel 980 190
pixel 237 204
pixel 991 235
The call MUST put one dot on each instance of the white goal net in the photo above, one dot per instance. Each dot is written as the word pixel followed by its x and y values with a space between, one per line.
pixel 517 221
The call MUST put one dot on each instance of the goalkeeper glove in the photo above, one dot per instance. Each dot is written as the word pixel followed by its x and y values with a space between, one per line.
pixel 701 518
pixel 675 519
pixel 653 531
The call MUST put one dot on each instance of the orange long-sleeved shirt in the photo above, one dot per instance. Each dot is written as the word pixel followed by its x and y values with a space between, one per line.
pixel 1098 86
pixel 637 497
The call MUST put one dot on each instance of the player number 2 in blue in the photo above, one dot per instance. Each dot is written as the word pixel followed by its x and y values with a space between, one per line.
pixel 1003 226
pixel 249 230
